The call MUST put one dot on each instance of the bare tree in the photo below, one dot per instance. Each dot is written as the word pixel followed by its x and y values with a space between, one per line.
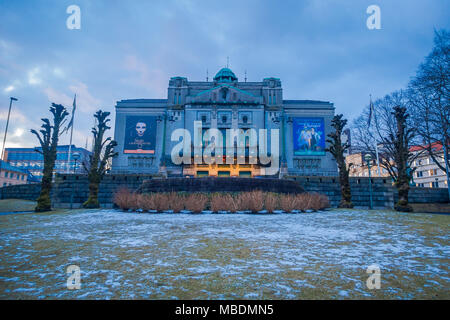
pixel 48 139
pixel 400 143
pixel 102 151
pixel 429 100
pixel 393 132
pixel 337 149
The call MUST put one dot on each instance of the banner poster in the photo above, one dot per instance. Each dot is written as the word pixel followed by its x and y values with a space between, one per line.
pixel 140 134
pixel 309 136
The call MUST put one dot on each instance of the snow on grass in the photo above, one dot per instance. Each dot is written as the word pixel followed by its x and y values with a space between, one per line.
pixel 165 256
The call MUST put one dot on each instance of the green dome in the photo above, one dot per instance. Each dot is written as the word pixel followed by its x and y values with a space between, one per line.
pixel 225 75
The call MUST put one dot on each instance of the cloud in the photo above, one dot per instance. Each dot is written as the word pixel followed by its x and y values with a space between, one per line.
pixel 18 132
pixel 9 89
pixel 320 50
pixel 15 115
pixel 154 80
pixel 85 101
pixel 33 78
pixel 8 49
pixel 17 137
pixel 58 97
pixel 57 72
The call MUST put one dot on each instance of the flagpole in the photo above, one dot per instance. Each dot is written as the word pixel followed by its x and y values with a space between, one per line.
pixel 71 133
pixel 376 144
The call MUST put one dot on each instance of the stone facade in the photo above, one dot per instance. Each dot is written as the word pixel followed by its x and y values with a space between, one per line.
pixel 224 103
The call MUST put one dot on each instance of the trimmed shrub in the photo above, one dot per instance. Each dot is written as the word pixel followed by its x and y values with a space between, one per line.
pixel 125 199
pixel 271 202
pixel 253 201
pixel 288 202
pixel 312 201
pixel 222 202
pixel 160 201
pixel 196 202
pixel 176 201
pixel 145 202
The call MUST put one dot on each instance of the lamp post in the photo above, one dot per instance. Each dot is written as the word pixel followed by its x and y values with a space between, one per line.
pixel 11 99
pixel 368 158
pixel 283 118
pixel 75 157
pixel 164 118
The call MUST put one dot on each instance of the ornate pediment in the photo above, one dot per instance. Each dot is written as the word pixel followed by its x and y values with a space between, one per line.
pixel 224 94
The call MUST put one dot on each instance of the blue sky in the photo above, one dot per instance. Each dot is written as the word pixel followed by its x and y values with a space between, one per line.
pixel 319 49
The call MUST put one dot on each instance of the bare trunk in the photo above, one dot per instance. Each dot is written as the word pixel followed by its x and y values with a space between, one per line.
pixel 92 201
pixel 346 200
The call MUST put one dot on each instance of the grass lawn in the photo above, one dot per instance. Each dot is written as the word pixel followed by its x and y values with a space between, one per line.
pixel 16 205
pixel 320 255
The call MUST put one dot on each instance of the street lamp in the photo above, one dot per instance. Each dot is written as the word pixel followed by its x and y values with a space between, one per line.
pixel 164 118
pixel 368 158
pixel 75 157
pixel 11 99
pixel 283 118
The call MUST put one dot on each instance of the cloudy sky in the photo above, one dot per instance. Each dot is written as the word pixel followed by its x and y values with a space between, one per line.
pixel 321 49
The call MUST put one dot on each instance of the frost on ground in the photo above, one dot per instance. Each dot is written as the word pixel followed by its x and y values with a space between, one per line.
pixel 322 255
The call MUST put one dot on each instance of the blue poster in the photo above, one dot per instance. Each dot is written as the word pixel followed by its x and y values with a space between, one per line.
pixel 140 134
pixel 309 137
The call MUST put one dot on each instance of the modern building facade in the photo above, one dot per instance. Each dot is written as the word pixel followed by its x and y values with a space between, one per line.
pixel 33 161
pixel 427 173
pixel 150 131
pixel 10 175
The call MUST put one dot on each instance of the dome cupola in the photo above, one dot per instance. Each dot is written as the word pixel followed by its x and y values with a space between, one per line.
pixel 225 75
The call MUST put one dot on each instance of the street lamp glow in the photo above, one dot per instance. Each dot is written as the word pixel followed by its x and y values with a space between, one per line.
pixel 368 159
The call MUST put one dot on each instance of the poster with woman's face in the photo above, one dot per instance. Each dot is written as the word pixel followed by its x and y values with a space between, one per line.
pixel 140 134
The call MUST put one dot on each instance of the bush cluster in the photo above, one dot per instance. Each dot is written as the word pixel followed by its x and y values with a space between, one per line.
pixel 254 201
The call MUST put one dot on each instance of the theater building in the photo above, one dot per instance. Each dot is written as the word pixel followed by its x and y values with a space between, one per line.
pixel 144 128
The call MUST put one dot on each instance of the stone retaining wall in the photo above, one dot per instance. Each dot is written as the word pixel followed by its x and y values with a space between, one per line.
pixel 211 184
pixel 21 191
pixel 384 195
pixel 69 187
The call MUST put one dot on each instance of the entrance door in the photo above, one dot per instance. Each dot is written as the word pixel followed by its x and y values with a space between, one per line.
pixel 245 174
pixel 223 173
pixel 202 174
